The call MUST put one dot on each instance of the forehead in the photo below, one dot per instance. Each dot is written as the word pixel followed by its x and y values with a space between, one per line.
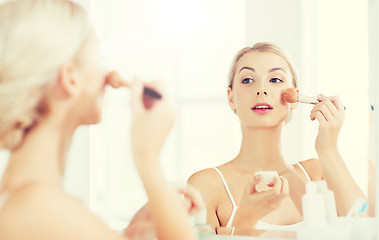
pixel 89 48
pixel 263 61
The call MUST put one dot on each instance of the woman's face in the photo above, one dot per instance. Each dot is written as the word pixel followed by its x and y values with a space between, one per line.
pixel 92 78
pixel 257 89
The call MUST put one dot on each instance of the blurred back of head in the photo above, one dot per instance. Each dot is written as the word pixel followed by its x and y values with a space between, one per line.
pixel 36 38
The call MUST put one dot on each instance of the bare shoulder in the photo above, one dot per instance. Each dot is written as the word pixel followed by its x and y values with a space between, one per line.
pixel 203 178
pixel 47 212
pixel 206 180
pixel 313 168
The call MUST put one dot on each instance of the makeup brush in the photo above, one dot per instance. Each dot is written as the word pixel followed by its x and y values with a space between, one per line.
pixel 115 81
pixel 291 95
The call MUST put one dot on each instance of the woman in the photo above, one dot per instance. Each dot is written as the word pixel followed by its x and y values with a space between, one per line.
pixel 51 82
pixel 258 77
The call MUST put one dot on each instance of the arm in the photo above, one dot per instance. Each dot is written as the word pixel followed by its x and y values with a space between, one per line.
pixel 330 114
pixel 151 124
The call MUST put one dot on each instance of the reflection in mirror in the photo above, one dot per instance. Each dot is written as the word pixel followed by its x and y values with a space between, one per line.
pixel 324 65
pixel 191 45
pixel 194 56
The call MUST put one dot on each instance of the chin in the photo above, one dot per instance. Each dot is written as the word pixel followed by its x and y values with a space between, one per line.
pixel 96 119
pixel 265 124
pixel 93 118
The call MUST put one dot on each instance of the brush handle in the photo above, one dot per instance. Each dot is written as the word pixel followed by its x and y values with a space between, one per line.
pixel 310 100
pixel 149 92
pixel 306 99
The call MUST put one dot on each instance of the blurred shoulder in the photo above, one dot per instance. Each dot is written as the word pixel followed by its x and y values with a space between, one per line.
pixel 313 168
pixel 44 211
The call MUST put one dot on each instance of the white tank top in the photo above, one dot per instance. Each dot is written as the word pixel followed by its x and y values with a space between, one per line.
pixel 260 225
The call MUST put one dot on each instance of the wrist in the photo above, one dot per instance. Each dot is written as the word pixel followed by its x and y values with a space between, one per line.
pixel 328 152
pixel 244 220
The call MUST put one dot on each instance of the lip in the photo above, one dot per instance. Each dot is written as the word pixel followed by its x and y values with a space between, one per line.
pixel 262 110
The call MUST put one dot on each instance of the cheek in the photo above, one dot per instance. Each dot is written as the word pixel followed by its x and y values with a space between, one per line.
pixel 277 95
pixel 242 100
pixel 95 79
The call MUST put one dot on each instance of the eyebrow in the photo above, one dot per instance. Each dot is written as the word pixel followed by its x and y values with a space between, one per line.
pixel 276 69
pixel 248 68
pixel 271 70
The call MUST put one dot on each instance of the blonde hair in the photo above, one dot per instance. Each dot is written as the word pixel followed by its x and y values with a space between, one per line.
pixel 262 47
pixel 36 38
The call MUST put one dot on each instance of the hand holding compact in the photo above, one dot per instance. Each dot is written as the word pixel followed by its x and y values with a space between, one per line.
pixel 255 205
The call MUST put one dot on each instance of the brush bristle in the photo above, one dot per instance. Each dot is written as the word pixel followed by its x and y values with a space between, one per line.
pixel 290 95
pixel 114 80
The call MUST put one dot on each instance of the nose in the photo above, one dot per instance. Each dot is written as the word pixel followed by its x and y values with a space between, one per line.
pixel 260 92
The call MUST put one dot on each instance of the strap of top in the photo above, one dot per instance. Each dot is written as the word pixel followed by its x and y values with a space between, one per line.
pixel 305 172
pixel 231 198
pixel 226 187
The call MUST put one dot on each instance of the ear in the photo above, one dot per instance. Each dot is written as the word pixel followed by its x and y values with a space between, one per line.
pixel 293 106
pixel 67 82
pixel 231 99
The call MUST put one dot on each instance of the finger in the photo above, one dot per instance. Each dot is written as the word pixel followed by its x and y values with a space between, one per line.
pixel 336 100
pixel 252 184
pixel 314 111
pixel 326 112
pixel 262 186
pixel 275 191
pixel 320 117
pixel 285 186
pixel 139 229
pixel 332 108
pixel 321 97
pixel 276 201
pixel 195 198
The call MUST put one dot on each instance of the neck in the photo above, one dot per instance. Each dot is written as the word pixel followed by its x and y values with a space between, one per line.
pixel 261 150
pixel 41 156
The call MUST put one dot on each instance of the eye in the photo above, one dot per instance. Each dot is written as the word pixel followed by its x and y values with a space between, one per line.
pixel 247 80
pixel 276 80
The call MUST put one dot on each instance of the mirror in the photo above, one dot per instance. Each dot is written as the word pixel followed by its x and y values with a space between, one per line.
pixel 191 45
